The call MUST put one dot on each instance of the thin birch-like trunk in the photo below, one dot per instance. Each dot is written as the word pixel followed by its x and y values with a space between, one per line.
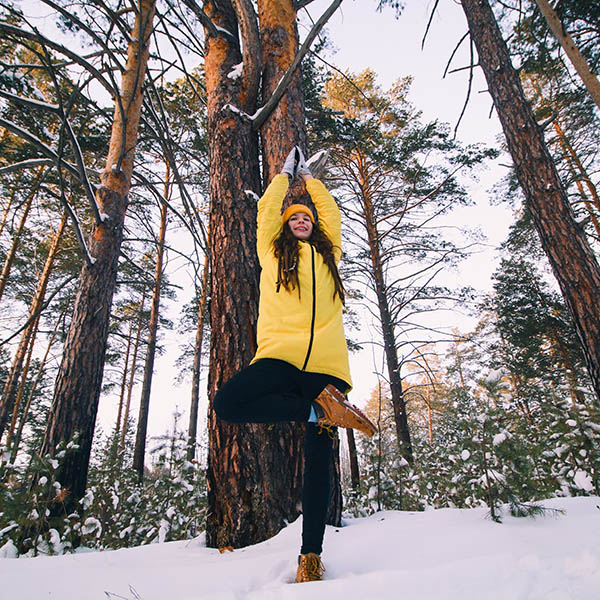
pixel 589 79
pixel 131 382
pixel 142 425
pixel 193 424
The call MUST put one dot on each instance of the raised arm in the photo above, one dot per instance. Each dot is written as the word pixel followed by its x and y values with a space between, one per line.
pixel 330 220
pixel 269 214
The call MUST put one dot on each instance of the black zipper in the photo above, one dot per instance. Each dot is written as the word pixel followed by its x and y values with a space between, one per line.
pixel 314 307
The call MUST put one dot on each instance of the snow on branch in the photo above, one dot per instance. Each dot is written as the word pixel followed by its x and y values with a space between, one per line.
pixel 26 164
pixel 263 113
pixel 31 102
pixel 236 71
pixel 35 141
pixel 89 259
pixel 212 29
pixel 237 111
pixel 252 195
pixel 87 185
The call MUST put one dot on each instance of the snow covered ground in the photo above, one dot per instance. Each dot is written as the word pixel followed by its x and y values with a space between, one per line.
pixel 447 554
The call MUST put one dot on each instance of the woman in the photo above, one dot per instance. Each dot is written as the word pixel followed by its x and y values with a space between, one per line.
pixel 300 371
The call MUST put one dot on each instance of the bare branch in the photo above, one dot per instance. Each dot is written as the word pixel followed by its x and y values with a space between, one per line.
pixel 429 23
pixel 37 37
pixel 458 45
pixel 205 19
pixel 36 314
pixel 89 259
pixel 265 111
pixel 468 90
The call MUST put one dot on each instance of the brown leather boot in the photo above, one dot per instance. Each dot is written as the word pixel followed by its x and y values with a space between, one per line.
pixel 336 411
pixel 310 568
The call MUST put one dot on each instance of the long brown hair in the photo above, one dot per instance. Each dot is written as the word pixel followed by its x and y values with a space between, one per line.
pixel 287 249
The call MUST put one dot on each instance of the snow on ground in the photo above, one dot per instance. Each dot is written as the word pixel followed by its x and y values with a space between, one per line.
pixel 447 554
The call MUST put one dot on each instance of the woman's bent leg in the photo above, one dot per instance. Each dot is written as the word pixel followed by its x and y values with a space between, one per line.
pixel 267 391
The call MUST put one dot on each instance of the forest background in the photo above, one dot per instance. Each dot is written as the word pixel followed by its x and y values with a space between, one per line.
pixel 477 368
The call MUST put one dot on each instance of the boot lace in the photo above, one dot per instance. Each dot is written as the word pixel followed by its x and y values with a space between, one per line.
pixel 312 567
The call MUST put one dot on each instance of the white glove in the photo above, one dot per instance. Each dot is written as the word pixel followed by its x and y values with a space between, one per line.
pixel 301 168
pixel 289 166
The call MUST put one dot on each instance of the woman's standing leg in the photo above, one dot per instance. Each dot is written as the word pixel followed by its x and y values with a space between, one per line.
pixel 316 490
pixel 318 447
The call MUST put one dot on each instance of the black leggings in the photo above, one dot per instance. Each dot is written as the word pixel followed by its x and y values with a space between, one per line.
pixel 271 391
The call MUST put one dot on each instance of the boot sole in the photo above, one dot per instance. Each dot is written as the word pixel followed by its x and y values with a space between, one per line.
pixel 370 427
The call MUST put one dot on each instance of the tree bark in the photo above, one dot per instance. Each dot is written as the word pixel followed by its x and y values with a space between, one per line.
pixel 572 51
pixel 193 425
pixel 286 126
pixel 77 391
pixel 139 451
pixel 238 513
pixel 563 240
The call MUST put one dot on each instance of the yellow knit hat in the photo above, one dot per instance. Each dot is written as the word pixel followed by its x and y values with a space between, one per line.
pixel 292 209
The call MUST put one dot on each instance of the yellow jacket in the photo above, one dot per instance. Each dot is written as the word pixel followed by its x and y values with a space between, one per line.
pixel 305 331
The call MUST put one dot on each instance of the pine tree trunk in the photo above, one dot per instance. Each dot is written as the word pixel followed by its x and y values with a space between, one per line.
pixel 9 203
pixel 237 514
pixel 571 50
pixel 124 382
pixel 78 385
pixel 354 471
pixel 252 489
pixel 193 425
pixel 579 174
pixel 573 262
pixel 334 512
pixel 285 128
pixel 567 149
pixel 139 451
pixel 23 380
pixel 10 256
pixel 136 347
pixel 387 328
